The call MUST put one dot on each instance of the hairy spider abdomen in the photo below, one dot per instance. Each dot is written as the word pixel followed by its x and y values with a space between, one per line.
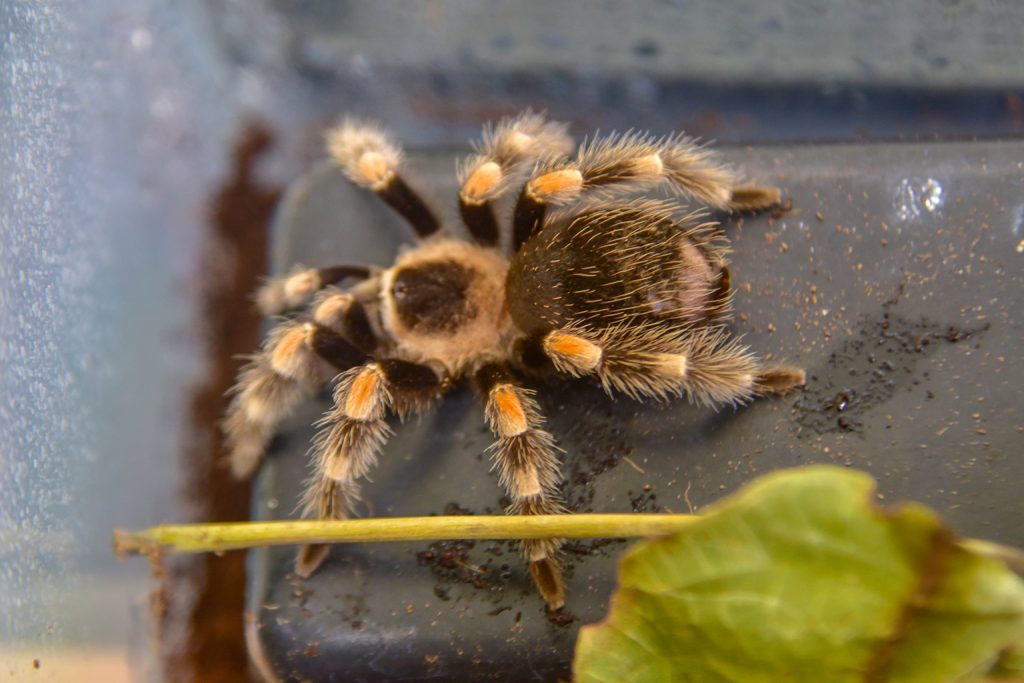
pixel 615 266
pixel 443 301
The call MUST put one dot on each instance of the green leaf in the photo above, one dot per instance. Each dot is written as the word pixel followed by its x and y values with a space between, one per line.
pixel 1009 666
pixel 801 577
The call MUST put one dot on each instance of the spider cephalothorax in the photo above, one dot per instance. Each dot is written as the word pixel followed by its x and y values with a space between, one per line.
pixel 598 281
pixel 444 302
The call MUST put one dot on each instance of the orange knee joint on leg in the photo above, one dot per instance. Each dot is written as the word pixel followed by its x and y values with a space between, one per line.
pixel 291 357
pixel 567 182
pixel 376 170
pixel 365 398
pixel 368 155
pixel 509 415
pixel 573 353
pixel 484 179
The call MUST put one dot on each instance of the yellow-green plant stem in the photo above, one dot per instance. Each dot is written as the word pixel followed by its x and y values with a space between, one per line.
pixel 199 538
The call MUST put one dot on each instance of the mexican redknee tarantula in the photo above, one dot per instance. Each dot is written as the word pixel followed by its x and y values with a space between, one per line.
pixel 597 281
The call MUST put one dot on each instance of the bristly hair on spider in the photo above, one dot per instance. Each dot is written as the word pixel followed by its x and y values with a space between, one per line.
pixel 598 281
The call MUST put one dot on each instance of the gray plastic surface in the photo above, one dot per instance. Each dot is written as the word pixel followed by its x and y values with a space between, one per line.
pixel 895 280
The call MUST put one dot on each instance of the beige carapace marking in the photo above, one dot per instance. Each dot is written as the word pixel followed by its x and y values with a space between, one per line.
pixel 511 417
pixel 289 355
pixel 362 402
pixel 671 364
pixel 376 169
pixel 485 332
pixel 300 285
pixel 565 181
pixel 574 351
pixel 481 181
pixel 330 311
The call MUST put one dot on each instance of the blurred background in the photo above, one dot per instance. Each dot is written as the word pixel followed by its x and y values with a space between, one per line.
pixel 143 146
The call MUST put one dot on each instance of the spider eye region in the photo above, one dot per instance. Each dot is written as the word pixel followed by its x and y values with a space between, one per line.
pixel 432 296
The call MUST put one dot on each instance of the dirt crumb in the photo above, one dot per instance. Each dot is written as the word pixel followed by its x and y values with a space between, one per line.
pixel 868 369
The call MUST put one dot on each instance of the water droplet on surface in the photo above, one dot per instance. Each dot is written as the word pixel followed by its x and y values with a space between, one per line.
pixel 931 195
pixel 916 196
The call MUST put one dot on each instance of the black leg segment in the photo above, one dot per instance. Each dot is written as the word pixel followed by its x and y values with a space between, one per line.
pixel 403 199
pixel 528 217
pixel 335 349
pixel 480 221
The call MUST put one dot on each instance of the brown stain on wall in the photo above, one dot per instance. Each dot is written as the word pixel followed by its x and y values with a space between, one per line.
pixel 202 630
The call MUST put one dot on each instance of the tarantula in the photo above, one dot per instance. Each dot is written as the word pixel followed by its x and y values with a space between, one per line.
pixel 597 281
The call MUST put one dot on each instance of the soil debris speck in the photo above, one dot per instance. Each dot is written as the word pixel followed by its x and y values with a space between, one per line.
pixel 561 618
pixel 868 369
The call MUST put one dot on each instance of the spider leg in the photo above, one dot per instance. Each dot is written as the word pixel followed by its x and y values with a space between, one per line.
pixel 281 294
pixel 709 366
pixel 352 434
pixel 295 360
pixel 342 313
pixel 751 197
pixel 503 152
pixel 527 468
pixel 622 164
pixel 371 159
